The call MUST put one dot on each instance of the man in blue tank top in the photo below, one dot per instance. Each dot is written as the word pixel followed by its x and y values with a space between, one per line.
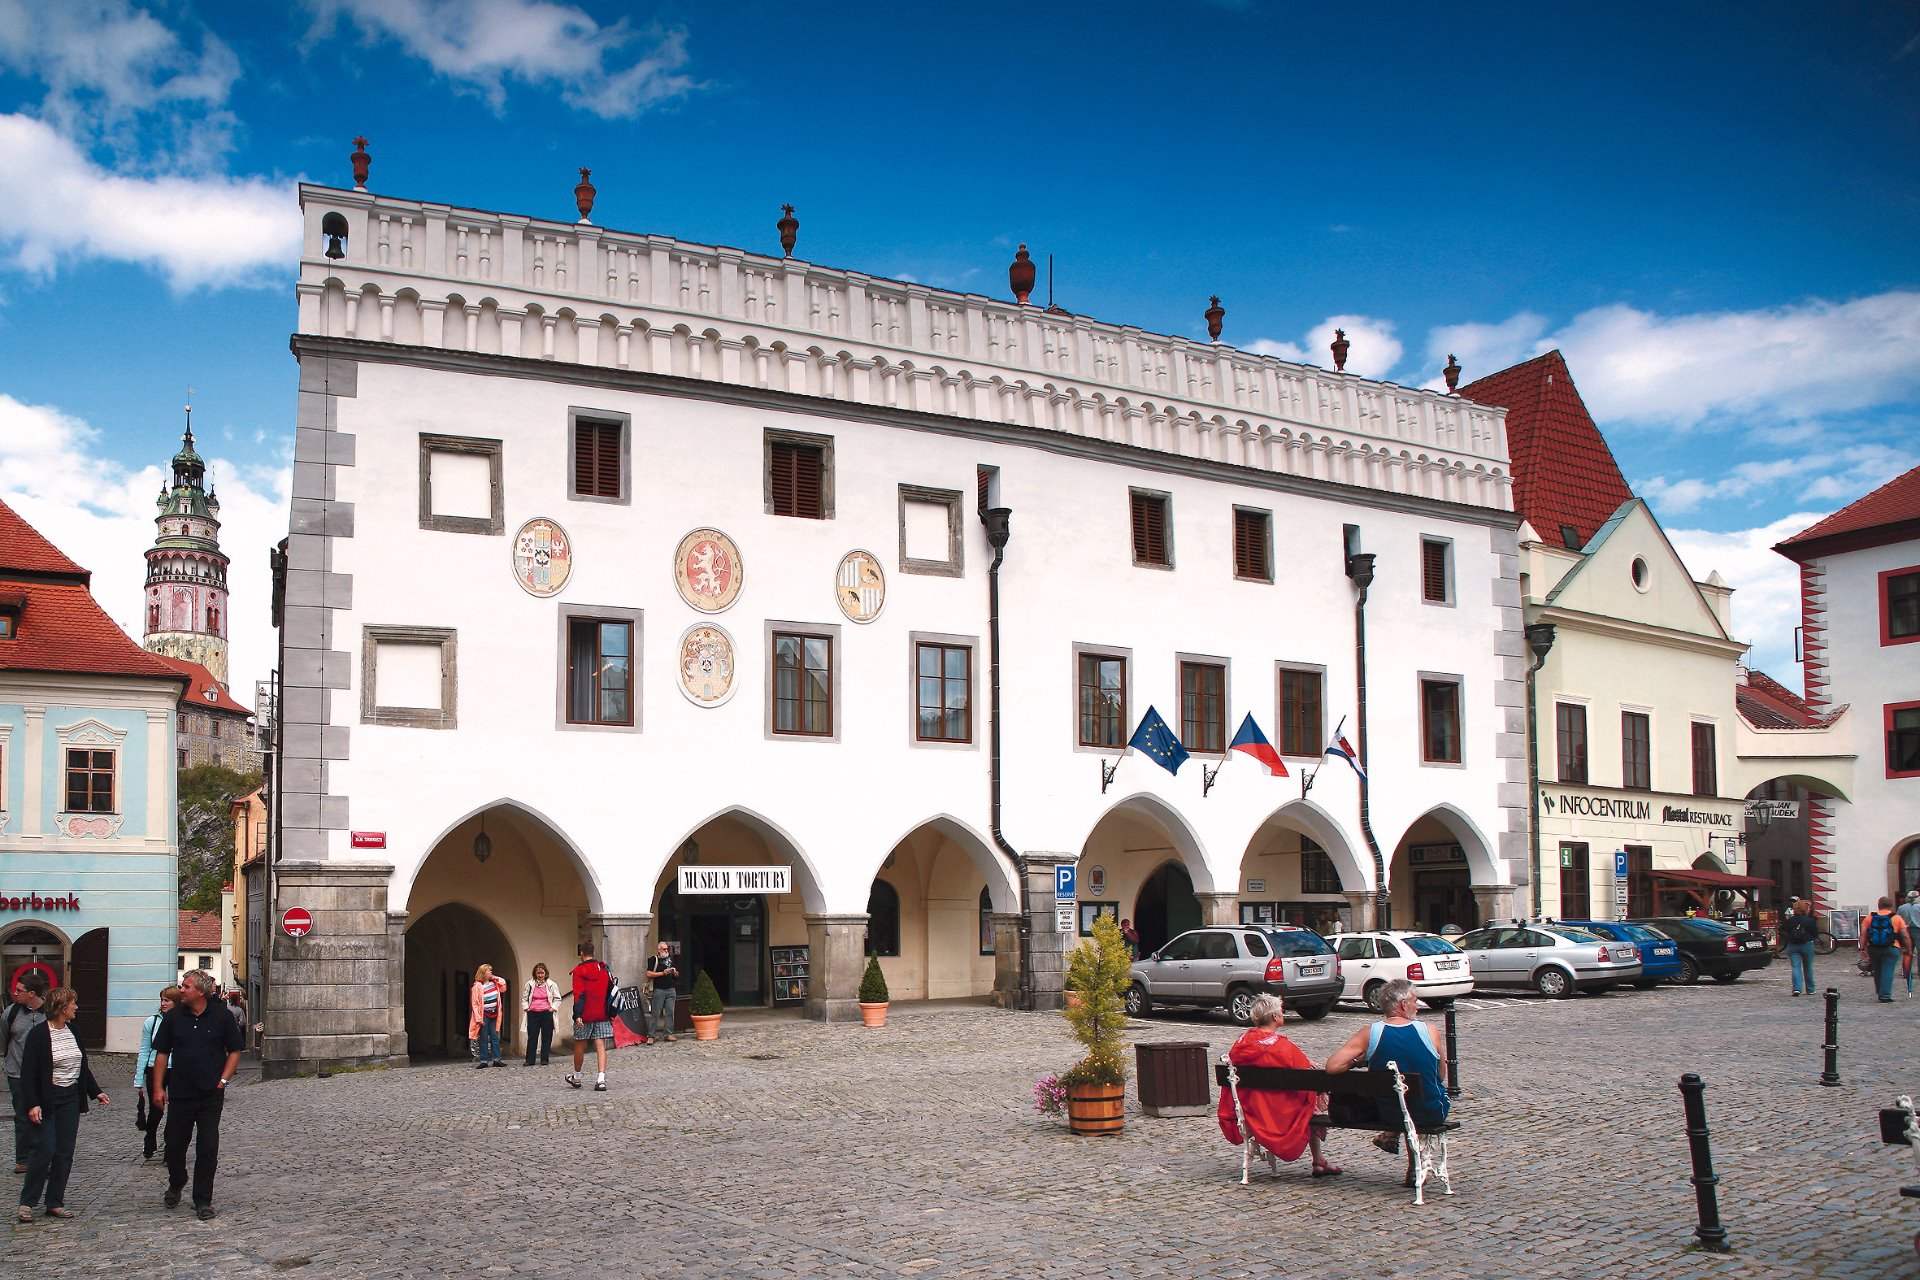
pixel 1411 1045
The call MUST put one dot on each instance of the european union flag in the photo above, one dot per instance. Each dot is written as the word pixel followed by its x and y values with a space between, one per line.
pixel 1157 742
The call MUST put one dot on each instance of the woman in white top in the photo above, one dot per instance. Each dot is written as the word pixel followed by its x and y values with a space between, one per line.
pixel 539 1000
pixel 56 1083
pixel 147 1119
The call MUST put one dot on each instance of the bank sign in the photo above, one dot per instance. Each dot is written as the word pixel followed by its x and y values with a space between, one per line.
pixel 731 880
pixel 1632 809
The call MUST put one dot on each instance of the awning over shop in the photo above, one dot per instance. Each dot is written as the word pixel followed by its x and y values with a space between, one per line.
pixel 1716 879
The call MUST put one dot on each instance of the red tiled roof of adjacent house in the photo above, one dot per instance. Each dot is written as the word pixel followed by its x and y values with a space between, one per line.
pixel 1893 508
pixel 204 693
pixel 1765 703
pixel 200 931
pixel 1563 471
pixel 23 549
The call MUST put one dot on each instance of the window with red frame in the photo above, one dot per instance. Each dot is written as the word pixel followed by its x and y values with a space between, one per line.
pixel 1900 606
pixel 1903 740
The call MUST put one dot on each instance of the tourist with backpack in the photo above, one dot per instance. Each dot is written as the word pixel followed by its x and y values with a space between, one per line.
pixel 1885 937
pixel 1797 934
pixel 592 1016
pixel 22 1016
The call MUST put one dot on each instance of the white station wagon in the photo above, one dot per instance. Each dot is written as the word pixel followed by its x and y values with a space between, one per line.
pixel 1437 969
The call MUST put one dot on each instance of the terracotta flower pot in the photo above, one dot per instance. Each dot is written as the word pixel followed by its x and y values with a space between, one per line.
pixel 706 1026
pixel 1096 1108
pixel 873 1015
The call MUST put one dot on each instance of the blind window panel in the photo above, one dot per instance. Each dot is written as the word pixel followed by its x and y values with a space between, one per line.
pixel 1149 529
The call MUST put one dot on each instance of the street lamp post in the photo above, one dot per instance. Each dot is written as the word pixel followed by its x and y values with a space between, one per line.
pixel 1539 642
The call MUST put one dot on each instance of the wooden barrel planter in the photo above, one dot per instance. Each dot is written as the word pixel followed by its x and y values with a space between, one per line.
pixel 1096 1108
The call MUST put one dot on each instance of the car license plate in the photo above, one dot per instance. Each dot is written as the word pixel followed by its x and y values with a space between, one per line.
pixel 1663 951
pixel 1447 964
pixel 1753 946
pixel 1313 970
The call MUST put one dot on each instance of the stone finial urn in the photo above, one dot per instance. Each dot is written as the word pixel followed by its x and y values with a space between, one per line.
pixel 1021 275
pixel 1452 374
pixel 583 195
pixel 1215 314
pixel 789 229
pixel 361 162
pixel 1340 346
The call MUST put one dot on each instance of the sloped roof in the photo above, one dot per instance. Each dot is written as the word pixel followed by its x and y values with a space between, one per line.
pixel 1765 703
pixel 205 693
pixel 1563 471
pixel 1890 513
pixel 23 550
pixel 200 931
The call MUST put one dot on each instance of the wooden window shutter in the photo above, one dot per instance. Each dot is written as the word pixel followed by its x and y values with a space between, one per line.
pixel 1250 545
pixel 1149 529
pixel 1433 572
pixel 596 459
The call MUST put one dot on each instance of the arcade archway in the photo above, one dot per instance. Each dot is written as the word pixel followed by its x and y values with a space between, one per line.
pixel 930 912
pixel 1142 862
pixel 444 948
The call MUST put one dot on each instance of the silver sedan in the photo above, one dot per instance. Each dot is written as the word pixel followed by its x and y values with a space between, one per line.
pixel 1554 960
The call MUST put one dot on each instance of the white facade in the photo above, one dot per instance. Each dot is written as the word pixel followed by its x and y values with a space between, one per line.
pixel 446 358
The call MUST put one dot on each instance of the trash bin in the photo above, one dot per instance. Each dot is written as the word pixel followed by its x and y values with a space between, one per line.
pixel 1173 1078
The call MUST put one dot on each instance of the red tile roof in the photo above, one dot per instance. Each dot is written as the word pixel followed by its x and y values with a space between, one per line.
pixel 1890 513
pixel 60 626
pixel 1563 471
pixel 204 693
pixel 200 931
pixel 24 550
pixel 1765 703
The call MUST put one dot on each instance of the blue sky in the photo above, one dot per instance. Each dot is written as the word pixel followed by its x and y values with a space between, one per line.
pixel 1712 209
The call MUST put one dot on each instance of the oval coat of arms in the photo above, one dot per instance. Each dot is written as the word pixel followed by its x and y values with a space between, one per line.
pixel 860 587
pixel 706 667
pixel 707 569
pixel 542 557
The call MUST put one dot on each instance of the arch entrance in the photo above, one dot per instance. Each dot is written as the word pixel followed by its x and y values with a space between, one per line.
pixel 930 912
pixel 1142 862
pixel 443 949
pixel 1165 907
pixel 1441 873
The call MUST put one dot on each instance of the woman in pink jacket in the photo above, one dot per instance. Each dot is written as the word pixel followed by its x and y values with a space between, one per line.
pixel 487 1003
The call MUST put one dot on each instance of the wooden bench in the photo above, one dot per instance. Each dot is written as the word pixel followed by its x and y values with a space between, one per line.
pixel 1354 1104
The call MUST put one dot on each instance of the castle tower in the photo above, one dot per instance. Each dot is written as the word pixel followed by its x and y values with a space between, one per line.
pixel 186 570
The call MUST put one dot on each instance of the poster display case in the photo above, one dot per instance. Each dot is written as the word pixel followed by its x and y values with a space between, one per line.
pixel 791 968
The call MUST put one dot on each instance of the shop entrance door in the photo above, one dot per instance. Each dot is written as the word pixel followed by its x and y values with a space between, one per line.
pixel 30 950
pixel 1442 898
pixel 88 977
pixel 727 937
pixel 1165 908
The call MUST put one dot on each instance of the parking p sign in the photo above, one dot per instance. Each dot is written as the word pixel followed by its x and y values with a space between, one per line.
pixel 1063 883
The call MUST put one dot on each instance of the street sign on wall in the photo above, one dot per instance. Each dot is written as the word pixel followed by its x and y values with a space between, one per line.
pixel 296 922
pixel 1064 883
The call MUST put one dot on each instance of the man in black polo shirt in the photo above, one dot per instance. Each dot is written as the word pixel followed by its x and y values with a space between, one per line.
pixel 196 1051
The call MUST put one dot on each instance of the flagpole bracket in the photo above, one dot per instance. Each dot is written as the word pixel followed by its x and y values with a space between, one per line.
pixel 1107 769
pixel 1206 778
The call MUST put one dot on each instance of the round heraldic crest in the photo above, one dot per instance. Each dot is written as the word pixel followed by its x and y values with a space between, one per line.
pixel 860 587
pixel 706 665
pixel 707 569
pixel 542 557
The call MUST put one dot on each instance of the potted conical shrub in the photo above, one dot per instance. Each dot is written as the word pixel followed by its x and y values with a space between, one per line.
pixel 706 1008
pixel 1097 1084
pixel 873 994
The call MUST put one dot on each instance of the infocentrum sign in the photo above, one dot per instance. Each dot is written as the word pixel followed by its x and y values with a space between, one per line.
pixel 1634 809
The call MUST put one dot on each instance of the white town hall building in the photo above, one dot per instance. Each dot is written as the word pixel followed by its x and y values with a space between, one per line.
pixel 614 555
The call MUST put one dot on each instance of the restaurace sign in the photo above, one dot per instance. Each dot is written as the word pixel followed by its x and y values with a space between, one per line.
pixel 1630 809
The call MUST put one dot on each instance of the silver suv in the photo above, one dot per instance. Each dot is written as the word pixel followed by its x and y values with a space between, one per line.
pixel 1231 964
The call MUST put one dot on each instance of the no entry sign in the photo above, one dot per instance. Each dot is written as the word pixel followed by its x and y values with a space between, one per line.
pixel 296 922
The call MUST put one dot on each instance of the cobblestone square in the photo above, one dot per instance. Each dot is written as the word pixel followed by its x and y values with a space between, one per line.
pixel 789 1148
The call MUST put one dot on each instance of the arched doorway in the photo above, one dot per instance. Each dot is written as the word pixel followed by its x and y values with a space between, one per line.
pixel 33 948
pixel 444 948
pixel 1438 863
pixel 926 921
pixel 1165 907
pixel 1906 869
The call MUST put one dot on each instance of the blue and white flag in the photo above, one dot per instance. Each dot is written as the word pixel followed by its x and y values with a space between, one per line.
pixel 1341 749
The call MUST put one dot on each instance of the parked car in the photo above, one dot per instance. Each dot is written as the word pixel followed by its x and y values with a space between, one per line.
pixel 1552 959
pixel 1231 964
pixel 1368 961
pixel 1720 951
pixel 1659 954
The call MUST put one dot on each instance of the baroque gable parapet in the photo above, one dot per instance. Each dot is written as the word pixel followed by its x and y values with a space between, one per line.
pixel 434 276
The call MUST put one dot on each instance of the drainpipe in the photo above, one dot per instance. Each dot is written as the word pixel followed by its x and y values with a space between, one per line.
pixel 1539 642
pixel 999 522
pixel 1360 569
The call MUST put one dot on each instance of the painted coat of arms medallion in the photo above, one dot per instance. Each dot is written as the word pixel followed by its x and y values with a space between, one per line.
pixel 707 669
pixel 860 586
pixel 542 557
pixel 707 569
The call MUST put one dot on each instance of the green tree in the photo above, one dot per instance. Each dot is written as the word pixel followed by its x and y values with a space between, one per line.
pixel 1098 970
pixel 206 832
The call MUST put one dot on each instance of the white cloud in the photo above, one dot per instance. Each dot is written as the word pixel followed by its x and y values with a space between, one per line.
pixel 105 64
pixel 207 231
pixel 1374 353
pixel 1485 348
pixel 612 71
pixel 101 514
pixel 1736 482
pixel 1766 600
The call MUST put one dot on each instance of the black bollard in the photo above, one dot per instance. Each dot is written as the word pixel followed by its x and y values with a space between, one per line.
pixel 1831 1076
pixel 1453 1055
pixel 1712 1236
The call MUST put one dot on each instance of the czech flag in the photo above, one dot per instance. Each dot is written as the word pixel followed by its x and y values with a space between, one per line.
pixel 1255 744
pixel 1342 749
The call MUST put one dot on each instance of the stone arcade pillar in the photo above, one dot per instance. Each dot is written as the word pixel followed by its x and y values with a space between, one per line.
pixel 620 942
pixel 1050 945
pixel 1496 901
pixel 838 950
pixel 1219 908
pixel 1006 959
pixel 397 987
pixel 331 1003
pixel 1366 908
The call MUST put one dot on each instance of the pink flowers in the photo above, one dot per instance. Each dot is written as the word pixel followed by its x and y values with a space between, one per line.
pixel 1050 1096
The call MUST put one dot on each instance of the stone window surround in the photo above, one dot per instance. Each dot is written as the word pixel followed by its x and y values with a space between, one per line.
pixel 830 631
pixel 1459 682
pixel 972 644
pixel 1125 655
pixel 781 435
pixel 372 635
pixel 602 613
pixel 493 524
pixel 87 734
pixel 954 566
pixel 576 414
